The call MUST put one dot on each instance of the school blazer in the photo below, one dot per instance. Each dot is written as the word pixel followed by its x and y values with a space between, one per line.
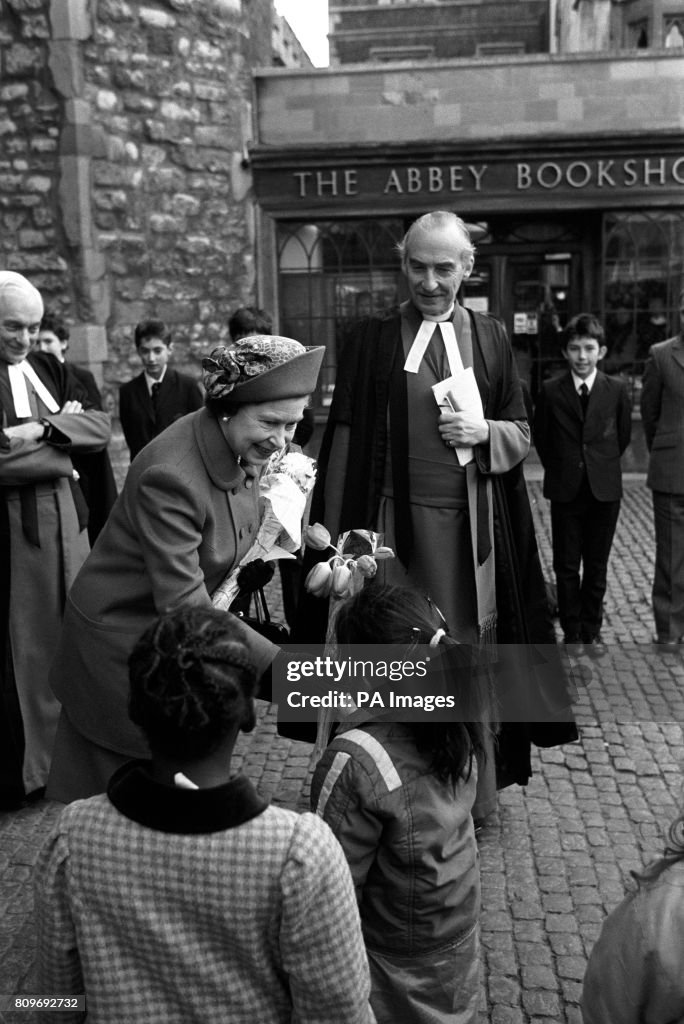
pixel 178 395
pixel 570 446
pixel 662 414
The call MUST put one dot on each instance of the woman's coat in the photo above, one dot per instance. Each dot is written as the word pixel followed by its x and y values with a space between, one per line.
pixel 183 519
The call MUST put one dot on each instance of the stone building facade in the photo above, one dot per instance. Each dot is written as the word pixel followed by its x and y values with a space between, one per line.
pixel 392 30
pixel 363 31
pixel 124 186
pixel 568 168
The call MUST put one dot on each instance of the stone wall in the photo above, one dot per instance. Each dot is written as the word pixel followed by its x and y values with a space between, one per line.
pixel 124 191
pixel 439 31
pixel 31 119
pixel 495 98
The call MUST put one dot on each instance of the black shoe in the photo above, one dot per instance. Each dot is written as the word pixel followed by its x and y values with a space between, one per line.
pixel 668 644
pixel 574 643
pixel 594 646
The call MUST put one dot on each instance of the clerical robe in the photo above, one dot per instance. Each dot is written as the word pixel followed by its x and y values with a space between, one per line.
pixel 43 542
pixel 368 443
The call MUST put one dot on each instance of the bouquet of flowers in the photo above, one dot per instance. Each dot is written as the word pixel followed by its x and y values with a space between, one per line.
pixel 354 559
pixel 284 486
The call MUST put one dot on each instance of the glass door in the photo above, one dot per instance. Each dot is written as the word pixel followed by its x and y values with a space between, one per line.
pixel 538 294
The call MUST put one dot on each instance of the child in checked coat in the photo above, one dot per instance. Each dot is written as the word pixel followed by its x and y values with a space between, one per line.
pixel 399 796
pixel 180 895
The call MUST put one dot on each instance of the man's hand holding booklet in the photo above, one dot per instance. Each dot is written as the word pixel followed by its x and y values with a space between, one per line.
pixel 459 393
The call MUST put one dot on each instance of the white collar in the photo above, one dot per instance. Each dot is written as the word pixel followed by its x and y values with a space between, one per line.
pixel 589 381
pixel 151 380
pixel 18 374
pixel 422 340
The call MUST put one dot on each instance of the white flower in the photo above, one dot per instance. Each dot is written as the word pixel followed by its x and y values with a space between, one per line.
pixel 284 487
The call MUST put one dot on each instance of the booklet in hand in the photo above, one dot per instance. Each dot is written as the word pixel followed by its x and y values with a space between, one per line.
pixel 460 393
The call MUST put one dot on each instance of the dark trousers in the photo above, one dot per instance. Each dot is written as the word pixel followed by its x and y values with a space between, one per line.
pixel 11 725
pixel 583 531
pixel 668 581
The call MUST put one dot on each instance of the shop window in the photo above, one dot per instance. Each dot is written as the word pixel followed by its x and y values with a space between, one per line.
pixel 637 34
pixel 674 39
pixel 332 274
pixel 643 272
pixel 480 232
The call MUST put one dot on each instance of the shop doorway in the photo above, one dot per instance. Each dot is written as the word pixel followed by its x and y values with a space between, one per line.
pixel 535 294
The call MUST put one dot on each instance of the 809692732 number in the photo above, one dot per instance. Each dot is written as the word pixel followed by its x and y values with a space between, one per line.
pixel 19 1001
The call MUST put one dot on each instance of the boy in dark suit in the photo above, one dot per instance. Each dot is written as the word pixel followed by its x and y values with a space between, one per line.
pixel 157 396
pixel 582 425
pixel 96 476
pixel 53 337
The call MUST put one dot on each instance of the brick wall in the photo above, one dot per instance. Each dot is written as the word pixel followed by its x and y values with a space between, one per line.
pixel 123 194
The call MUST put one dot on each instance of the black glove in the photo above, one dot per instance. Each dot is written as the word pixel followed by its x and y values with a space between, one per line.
pixel 255 575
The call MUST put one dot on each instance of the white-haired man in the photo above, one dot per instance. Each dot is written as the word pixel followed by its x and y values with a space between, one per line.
pixel 43 538
pixel 442 482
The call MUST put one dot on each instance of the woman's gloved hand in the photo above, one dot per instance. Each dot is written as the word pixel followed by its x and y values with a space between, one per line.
pixel 255 575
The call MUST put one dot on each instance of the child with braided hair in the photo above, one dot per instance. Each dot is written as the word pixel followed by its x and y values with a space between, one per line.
pixel 180 895
pixel 398 796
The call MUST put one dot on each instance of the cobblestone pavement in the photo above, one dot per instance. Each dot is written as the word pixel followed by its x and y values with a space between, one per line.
pixel 561 852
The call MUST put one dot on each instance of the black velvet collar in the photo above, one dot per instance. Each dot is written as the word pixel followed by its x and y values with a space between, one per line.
pixel 139 797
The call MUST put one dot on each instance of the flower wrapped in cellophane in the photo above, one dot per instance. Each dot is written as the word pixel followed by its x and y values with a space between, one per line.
pixel 353 561
pixel 284 488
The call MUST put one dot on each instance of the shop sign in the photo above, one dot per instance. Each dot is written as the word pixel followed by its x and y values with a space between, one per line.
pixel 597 174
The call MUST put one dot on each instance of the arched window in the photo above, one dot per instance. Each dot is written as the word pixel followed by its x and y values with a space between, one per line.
pixel 331 274
pixel 643 272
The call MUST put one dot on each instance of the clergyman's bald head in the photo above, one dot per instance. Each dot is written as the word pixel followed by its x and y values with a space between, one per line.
pixel 21 310
pixel 10 279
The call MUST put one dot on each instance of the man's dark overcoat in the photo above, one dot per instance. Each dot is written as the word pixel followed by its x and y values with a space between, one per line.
pixel 361 400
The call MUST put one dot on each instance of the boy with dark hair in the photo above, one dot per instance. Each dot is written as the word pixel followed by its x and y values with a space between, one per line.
pixel 247 320
pixel 582 425
pixel 96 476
pixel 53 337
pixel 159 395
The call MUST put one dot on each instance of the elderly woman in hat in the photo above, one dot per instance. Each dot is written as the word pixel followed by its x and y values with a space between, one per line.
pixel 187 514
